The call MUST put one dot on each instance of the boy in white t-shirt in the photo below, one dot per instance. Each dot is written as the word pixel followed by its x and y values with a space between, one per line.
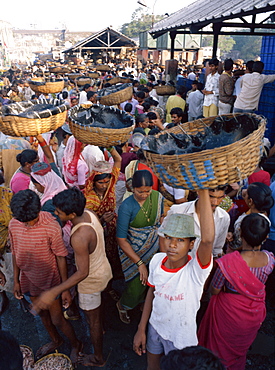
pixel 175 286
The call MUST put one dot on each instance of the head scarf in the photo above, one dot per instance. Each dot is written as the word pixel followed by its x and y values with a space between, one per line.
pixel 45 176
pixel 72 154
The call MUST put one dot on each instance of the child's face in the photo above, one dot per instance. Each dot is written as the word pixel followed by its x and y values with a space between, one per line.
pixel 177 249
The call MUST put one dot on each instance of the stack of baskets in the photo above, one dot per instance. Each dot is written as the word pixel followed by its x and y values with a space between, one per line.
pixel 213 167
pixel 13 124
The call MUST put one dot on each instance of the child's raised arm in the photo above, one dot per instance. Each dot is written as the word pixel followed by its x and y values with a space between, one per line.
pixel 207 227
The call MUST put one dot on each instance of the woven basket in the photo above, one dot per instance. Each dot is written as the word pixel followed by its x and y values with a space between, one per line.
pixel 47 87
pixel 99 136
pixel 93 74
pixel 209 168
pixel 14 125
pixel 60 70
pixel 73 76
pixel 117 97
pixel 81 81
pixel 102 67
pixel 51 362
pixel 165 90
pixel 119 80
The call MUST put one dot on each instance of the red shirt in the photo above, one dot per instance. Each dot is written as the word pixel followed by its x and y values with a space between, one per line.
pixel 35 249
pixel 260 176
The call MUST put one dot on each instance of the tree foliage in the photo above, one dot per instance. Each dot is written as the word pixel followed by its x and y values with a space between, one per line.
pixel 140 21
pixel 225 44
pixel 247 47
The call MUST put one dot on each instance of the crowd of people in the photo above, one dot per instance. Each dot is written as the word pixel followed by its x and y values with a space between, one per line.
pixel 75 218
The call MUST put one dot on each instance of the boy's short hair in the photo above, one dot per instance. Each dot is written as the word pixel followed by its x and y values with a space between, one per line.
pixel 228 64
pixel 258 66
pixel 194 357
pixel 214 61
pixel 178 111
pixel 25 205
pixel 70 201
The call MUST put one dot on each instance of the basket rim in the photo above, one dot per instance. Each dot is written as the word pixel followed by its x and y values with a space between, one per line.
pixel 96 129
pixel 208 151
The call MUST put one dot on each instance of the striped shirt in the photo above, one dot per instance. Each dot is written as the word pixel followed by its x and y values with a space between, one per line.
pixel 35 249
pixel 219 280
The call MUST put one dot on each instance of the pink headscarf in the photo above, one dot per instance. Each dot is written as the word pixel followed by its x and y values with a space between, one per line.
pixel 53 184
pixel 72 154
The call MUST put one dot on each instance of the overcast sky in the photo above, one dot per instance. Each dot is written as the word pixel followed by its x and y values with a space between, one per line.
pixel 83 15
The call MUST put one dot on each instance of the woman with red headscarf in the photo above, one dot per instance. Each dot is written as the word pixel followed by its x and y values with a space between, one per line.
pixel 75 169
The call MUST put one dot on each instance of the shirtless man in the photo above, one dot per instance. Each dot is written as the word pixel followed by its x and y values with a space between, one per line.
pixel 93 269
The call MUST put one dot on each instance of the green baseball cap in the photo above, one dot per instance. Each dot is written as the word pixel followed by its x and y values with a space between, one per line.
pixel 180 226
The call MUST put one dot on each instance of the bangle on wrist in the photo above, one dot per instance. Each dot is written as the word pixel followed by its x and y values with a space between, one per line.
pixel 43 143
pixel 139 263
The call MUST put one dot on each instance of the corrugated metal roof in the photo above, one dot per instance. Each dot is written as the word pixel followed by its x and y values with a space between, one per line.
pixel 203 12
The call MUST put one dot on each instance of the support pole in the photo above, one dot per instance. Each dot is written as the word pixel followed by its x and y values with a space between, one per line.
pixel 173 37
pixel 216 29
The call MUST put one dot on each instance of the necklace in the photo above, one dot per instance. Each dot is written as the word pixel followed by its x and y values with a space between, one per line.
pixel 100 196
pixel 250 250
pixel 146 213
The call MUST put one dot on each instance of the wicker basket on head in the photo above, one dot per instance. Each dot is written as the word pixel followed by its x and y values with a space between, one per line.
pixel 119 80
pixel 13 124
pixel 99 136
pixel 92 74
pixel 60 70
pixel 102 67
pixel 116 94
pixel 209 168
pixel 45 87
pixel 81 81
pixel 165 90
pixel 73 76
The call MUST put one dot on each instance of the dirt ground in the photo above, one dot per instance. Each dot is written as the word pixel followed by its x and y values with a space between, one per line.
pixel 119 337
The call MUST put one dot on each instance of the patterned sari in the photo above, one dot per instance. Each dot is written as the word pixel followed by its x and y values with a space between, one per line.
pixel 143 238
pixel 107 204
pixel 232 321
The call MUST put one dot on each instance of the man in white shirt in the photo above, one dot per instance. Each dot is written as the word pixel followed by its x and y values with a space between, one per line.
pixel 248 99
pixel 132 101
pixel 195 103
pixel 221 220
pixel 83 94
pixel 211 90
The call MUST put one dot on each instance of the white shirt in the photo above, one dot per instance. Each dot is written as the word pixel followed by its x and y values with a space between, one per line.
pixel 177 299
pixel 177 193
pixel 195 103
pixel 221 221
pixel 251 84
pixel 82 97
pixel 212 84
pixel 191 76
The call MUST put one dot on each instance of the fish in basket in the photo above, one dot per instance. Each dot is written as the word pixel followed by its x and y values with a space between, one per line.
pixel 208 152
pixel 100 125
pixel 115 94
pixel 33 117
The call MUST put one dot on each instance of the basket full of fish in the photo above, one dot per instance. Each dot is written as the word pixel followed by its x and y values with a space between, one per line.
pixel 100 125
pixel 33 117
pixel 208 152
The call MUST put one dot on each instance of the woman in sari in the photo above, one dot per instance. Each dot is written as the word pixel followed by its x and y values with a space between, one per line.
pixel 75 169
pixel 100 196
pixel 6 271
pixel 137 235
pixel 48 183
pixel 237 307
